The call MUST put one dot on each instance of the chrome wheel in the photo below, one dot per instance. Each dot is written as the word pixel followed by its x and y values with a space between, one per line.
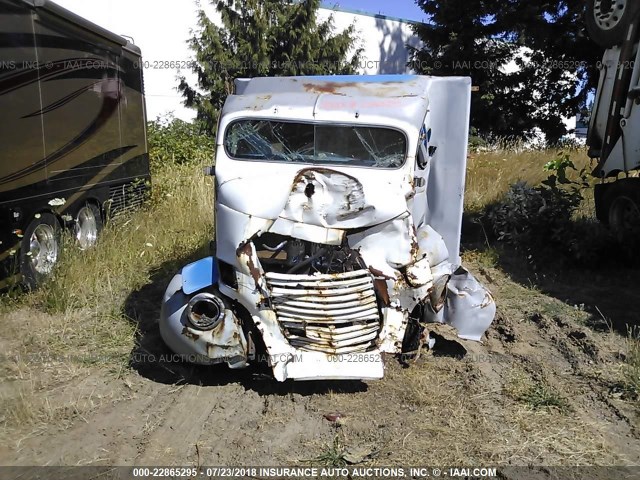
pixel 86 228
pixel 608 13
pixel 43 249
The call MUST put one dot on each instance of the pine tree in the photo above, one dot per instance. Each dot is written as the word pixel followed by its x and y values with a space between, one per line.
pixel 262 38
pixel 532 62
pixel 462 38
pixel 563 68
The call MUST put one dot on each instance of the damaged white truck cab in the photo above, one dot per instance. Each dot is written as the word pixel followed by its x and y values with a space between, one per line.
pixel 338 216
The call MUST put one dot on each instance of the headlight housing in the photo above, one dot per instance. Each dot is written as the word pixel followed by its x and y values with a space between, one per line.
pixel 205 311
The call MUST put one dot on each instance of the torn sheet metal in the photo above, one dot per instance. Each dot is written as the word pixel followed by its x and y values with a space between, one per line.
pixel 469 307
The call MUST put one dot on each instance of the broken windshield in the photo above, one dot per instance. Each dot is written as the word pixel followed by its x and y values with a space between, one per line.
pixel 315 143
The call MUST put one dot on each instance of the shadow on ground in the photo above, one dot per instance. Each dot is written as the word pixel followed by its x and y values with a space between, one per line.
pixel 608 288
pixel 445 347
pixel 153 360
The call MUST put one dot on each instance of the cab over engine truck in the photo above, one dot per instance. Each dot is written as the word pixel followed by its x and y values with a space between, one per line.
pixel 338 214
pixel 614 129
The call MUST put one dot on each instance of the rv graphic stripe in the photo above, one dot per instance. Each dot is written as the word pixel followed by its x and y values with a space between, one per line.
pixel 77 67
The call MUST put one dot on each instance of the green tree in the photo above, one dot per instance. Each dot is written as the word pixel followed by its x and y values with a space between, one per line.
pixel 563 66
pixel 461 37
pixel 262 38
pixel 486 39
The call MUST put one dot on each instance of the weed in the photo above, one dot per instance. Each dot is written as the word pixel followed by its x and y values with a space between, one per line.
pixel 536 394
pixel 333 454
pixel 539 396
pixel 631 370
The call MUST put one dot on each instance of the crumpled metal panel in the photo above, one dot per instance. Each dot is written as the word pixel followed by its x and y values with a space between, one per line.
pixel 394 325
pixel 453 298
pixel 373 244
pixel 225 343
pixel 469 307
pixel 325 197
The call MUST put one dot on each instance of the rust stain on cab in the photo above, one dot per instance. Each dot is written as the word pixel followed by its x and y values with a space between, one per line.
pixel 380 285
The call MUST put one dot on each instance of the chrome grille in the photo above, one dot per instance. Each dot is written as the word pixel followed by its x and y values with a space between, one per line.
pixel 330 313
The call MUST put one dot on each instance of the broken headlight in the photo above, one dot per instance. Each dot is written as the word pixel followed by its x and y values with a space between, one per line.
pixel 205 311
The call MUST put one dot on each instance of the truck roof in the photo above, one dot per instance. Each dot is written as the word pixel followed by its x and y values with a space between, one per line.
pixel 383 99
pixel 351 85
pixel 69 16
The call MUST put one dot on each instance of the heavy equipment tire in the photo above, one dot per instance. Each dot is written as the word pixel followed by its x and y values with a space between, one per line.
pixel 607 20
pixel 40 249
pixel 623 202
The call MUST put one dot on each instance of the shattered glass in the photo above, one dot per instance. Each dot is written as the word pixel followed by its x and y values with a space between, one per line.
pixel 316 144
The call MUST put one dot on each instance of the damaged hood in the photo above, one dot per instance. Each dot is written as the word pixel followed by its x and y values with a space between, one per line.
pixel 342 198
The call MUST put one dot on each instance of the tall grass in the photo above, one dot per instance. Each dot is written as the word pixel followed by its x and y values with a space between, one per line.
pixel 80 318
pixel 82 309
pixel 178 221
pixel 490 173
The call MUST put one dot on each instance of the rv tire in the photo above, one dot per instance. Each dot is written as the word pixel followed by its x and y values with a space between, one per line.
pixel 40 249
pixel 88 225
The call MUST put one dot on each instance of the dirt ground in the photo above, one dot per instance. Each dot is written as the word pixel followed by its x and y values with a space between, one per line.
pixel 542 389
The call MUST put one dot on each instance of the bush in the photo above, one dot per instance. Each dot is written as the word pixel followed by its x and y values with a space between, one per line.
pixel 475 140
pixel 541 219
pixel 529 215
pixel 172 140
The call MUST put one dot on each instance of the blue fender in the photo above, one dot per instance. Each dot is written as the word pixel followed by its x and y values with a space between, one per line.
pixel 200 274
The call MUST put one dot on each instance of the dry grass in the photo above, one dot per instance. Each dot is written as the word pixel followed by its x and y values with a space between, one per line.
pixel 78 321
pixel 489 174
pixel 441 412
pixel 30 408
pixel 178 221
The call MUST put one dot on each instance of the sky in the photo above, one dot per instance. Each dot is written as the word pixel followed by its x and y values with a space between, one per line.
pixel 406 9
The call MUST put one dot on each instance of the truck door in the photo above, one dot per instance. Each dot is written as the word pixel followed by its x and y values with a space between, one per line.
pixel 421 177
